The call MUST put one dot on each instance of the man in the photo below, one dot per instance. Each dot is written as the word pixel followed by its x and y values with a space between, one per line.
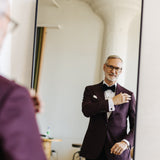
pixel 108 105
pixel 19 135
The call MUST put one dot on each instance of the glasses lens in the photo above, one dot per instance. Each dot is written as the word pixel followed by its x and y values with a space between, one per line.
pixel 117 69
pixel 12 24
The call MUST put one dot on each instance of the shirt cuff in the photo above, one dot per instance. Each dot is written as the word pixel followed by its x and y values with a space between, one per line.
pixel 111 105
pixel 128 144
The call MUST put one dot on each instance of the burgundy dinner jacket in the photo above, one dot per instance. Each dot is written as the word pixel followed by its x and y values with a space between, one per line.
pixel 19 135
pixel 103 132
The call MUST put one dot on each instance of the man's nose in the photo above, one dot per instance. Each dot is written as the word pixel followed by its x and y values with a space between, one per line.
pixel 113 70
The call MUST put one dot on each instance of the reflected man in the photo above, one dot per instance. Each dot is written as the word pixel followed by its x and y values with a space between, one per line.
pixel 19 135
pixel 108 105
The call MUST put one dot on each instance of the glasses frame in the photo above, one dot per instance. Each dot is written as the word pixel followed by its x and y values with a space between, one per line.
pixel 11 21
pixel 117 69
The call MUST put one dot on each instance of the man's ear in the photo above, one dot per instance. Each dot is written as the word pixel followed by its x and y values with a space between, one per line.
pixel 104 66
pixel 120 72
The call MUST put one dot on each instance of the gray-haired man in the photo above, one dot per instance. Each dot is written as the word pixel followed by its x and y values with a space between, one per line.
pixel 108 105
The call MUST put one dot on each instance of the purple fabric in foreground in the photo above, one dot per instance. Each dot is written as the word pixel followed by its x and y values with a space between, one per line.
pixel 19 134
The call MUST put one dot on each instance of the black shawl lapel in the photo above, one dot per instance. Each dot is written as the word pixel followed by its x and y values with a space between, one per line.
pixel 118 89
pixel 100 91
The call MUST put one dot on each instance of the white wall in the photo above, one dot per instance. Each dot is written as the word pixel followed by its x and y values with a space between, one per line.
pixel 16 59
pixel 5 57
pixel 71 61
pixel 148 129
pixel 132 56
pixel 148 126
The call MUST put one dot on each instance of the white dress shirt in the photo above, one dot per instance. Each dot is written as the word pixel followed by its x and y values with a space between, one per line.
pixel 108 95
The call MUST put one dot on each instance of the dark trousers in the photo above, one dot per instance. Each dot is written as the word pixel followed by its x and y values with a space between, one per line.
pixel 102 156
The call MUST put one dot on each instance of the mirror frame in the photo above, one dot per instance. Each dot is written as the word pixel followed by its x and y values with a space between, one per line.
pixel 33 73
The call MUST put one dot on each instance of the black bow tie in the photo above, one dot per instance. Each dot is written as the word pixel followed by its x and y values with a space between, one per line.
pixel 105 87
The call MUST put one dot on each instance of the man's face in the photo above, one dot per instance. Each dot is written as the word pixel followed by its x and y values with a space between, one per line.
pixel 112 69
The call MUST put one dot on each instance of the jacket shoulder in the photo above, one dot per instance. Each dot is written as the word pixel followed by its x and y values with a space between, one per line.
pixel 7 86
pixel 95 85
pixel 123 89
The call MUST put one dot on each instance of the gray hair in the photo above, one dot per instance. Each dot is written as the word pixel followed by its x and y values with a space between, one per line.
pixel 3 5
pixel 113 57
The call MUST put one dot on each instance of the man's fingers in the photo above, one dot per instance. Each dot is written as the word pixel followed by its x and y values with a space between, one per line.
pixel 120 152
pixel 113 149
pixel 121 98
pixel 125 98
pixel 125 94
pixel 118 148
pixel 116 151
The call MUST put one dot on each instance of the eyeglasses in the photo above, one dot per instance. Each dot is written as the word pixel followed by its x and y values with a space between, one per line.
pixel 117 69
pixel 12 23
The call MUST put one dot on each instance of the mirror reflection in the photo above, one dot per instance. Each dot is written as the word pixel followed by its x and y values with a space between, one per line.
pixel 74 38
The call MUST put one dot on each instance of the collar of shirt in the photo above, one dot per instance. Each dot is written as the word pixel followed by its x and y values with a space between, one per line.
pixel 108 85
pixel 109 94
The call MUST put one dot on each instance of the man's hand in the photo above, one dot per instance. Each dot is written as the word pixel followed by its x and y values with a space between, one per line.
pixel 36 101
pixel 121 98
pixel 118 148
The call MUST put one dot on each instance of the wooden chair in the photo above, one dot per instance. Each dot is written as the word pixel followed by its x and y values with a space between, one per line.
pixel 76 155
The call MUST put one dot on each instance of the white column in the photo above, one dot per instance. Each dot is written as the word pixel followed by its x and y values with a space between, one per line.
pixel 117 17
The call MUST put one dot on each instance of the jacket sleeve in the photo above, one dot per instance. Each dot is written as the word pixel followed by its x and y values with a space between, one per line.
pixel 132 118
pixel 19 135
pixel 92 106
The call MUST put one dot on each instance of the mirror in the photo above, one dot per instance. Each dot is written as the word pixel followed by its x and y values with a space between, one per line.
pixel 73 39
